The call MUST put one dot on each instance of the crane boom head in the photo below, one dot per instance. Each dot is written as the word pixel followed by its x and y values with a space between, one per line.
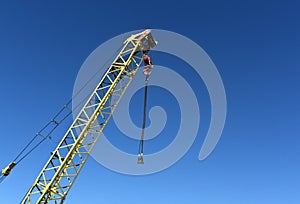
pixel 145 40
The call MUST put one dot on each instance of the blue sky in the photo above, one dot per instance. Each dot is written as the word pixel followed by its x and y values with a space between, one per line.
pixel 255 46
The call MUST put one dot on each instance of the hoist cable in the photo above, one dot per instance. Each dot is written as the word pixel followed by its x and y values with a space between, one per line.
pixel 141 145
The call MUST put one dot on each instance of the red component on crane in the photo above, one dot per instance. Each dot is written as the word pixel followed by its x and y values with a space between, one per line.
pixel 148 65
pixel 147 60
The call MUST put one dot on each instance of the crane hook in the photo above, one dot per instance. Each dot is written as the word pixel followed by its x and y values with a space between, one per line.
pixel 147 71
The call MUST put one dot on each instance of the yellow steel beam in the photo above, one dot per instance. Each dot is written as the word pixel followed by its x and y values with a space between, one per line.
pixel 59 173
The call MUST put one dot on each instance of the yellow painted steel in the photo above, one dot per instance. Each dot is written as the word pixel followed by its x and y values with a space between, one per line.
pixel 59 173
pixel 6 171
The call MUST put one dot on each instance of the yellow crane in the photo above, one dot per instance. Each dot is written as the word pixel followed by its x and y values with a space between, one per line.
pixel 65 163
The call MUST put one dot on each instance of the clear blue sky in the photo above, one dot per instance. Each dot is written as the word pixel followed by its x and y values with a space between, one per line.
pixel 256 49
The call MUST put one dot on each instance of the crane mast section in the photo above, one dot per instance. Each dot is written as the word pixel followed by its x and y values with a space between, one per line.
pixel 66 161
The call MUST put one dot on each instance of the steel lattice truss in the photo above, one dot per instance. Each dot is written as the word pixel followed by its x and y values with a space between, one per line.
pixel 61 170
